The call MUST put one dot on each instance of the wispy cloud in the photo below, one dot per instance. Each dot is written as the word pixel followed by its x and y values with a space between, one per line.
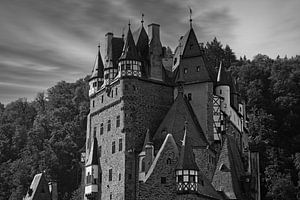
pixel 43 42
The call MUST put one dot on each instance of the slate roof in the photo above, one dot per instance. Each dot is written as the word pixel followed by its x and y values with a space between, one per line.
pixel 180 112
pixel 93 156
pixel 168 141
pixel 98 70
pixel 129 51
pixel 224 78
pixel 186 158
pixel 229 170
pixel 38 188
pixel 189 48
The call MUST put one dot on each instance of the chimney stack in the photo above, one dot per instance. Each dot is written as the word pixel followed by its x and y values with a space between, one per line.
pixel 155 50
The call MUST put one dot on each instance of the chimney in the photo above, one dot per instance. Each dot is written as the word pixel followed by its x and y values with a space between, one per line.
pixel 149 151
pixel 108 48
pixel 155 50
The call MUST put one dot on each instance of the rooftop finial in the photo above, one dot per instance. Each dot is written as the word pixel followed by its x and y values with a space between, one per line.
pixel 99 46
pixel 142 19
pixel 129 23
pixel 191 17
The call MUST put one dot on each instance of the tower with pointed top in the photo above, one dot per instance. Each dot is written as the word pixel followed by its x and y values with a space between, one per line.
pixel 97 78
pixel 129 63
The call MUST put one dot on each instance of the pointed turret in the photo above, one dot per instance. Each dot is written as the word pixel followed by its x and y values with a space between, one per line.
pixel 187 158
pixel 142 44
pixel 97 76
pixel 223 77
pixel 92 172
pixel 187 171
pixel 129 51
pixel 129 62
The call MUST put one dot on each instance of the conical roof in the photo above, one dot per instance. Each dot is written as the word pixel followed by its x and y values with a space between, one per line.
pixel 147 139
pixel 223 77
pixel 129 51
pixel 98 70
pixel 93 156
pixel 187 158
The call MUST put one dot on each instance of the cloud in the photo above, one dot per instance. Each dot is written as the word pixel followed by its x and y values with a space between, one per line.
pixel 43 42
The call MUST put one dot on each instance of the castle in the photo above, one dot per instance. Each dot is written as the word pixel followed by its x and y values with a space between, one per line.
pixel 165 126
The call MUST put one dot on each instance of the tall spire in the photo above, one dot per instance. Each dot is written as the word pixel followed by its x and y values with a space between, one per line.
pixel 191 20
pixel 187 158
pixel 142 21
pixel 98 70
pixel 129 50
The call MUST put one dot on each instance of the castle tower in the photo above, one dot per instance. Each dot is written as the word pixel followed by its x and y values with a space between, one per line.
pixel 187 171
pixel 191 68
pixel 129 62
pixel 92 172
pixel 97 76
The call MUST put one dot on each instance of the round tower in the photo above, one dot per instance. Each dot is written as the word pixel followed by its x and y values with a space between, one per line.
pixel 97 76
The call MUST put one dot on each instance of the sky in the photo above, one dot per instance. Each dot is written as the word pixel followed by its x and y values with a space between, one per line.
pixel 43 42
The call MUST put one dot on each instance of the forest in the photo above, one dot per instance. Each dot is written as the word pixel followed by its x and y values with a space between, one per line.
pixel 48 133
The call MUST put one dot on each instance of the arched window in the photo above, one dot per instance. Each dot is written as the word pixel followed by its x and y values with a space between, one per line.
pixel 143 165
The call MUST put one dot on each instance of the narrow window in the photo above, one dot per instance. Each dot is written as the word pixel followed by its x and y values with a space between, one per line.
pixel 101 128
pixel 108 125
pixel 185 70
pixel 110 196
pixel 118 121
pixel 110 175
pixel 120 144
pixel 133 87
pixel 189 96
pixel 95 131
pixel 169 161
pixel 120 176
pixel 129 176
pixel 126 87
pixel 198 69
pixel 100 177
pixel 220 91
pixel 116 91
pixel 102 99
pixel 143 165
pixel 113 147
pixel 112 93
pixel 163 180
pixel 93 103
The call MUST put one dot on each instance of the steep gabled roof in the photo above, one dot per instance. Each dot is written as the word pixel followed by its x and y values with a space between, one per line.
pixel 180 112
pixel 191 46
pixel 98 70
pixel 229 170
pixel 169 143
pixel 93 156
pixel 186 158
pixel 147 139
pixel 129 51
pixel 39 189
